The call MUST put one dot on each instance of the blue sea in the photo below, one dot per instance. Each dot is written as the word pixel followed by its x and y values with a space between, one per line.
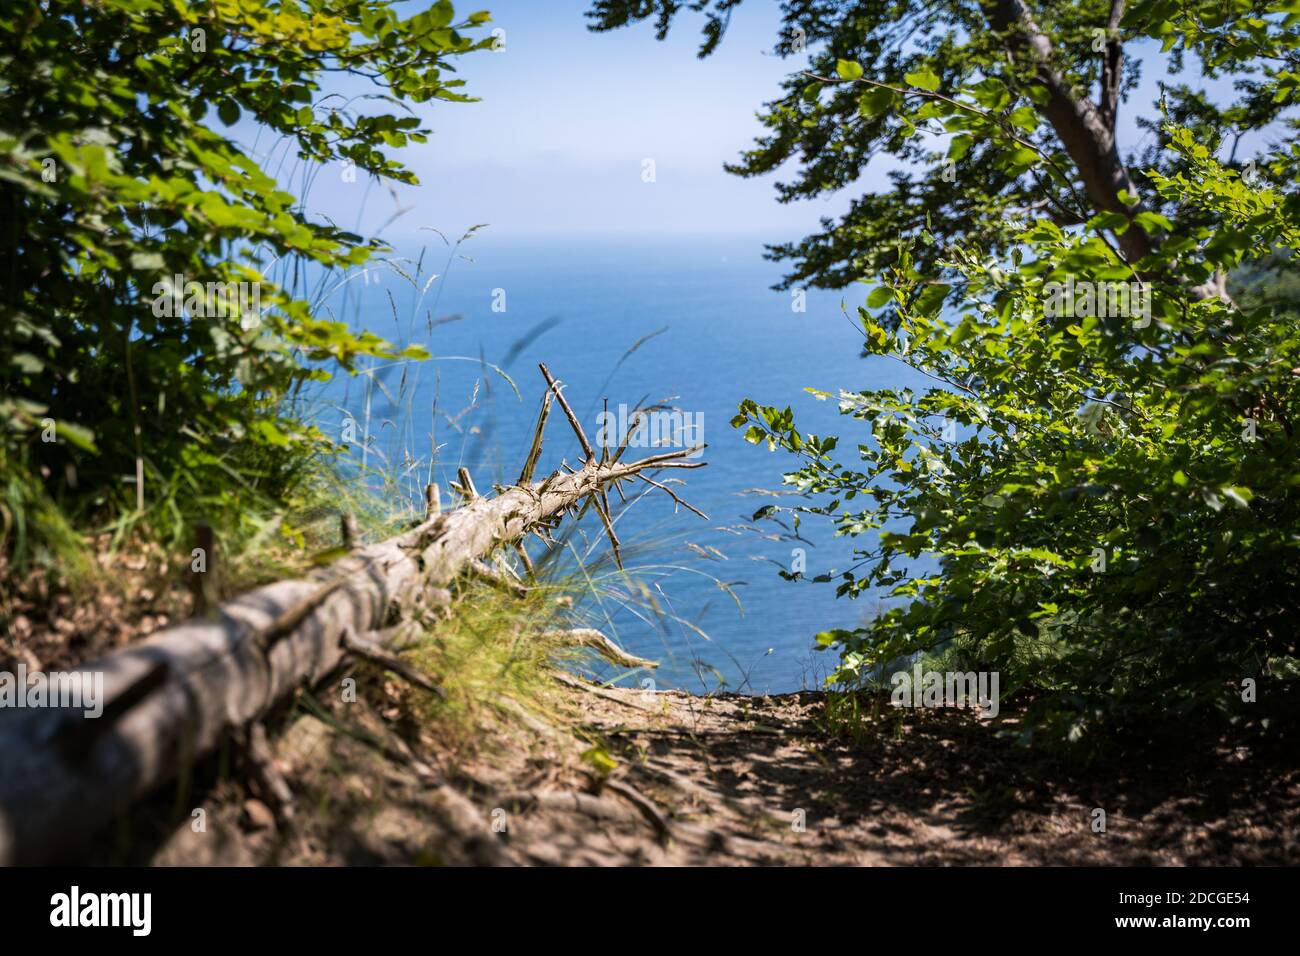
pixel 692 323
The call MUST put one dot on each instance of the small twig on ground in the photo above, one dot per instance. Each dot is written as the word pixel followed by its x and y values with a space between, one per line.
pixel 643 804
pixel 571 681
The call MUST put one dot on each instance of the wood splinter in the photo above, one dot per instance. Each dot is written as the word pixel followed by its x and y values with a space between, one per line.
pixel 525 559
pixel 671 494
pixel 535 449
pixel 465 484
pixel 601 504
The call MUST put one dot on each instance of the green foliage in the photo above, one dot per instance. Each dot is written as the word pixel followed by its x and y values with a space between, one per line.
pixel 1112 519
pixel 1101 502
pixel 958 80
pixel 115 178
pixel 36 526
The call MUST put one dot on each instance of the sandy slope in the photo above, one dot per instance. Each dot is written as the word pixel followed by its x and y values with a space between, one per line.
pixel 728 780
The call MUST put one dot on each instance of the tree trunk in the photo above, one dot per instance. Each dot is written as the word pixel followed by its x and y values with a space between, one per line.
pixel 1086 131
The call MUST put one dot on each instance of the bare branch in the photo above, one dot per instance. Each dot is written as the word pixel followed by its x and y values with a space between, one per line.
pixel 632 425
pixel 602 508
pixel 591 638
pixel 573 419
pixel 672 494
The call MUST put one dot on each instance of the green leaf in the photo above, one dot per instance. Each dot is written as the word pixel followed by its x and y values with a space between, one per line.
pixel 848 70
pixel 1115 221
pixel 1238 496
pixel 600 760
pixel 923 79
pixel 1153 222
pixel 1025 118
pixel 880 296
pixel 876 101
pixel 77 435
pixel 932 298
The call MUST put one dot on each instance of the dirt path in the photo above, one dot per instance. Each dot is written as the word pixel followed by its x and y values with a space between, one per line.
pixel 672 778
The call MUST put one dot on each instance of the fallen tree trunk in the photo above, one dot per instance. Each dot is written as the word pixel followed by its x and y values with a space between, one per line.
pixel 173 697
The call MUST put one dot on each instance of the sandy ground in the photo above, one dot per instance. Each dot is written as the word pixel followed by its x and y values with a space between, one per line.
pixel 675 779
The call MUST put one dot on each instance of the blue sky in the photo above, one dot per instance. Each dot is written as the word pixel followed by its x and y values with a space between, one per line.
pixel 568 117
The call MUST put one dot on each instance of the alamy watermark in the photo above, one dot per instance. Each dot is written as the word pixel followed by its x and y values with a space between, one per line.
pixel 175 296
pixel 919 688
pixel 656 428
pixel 133 911
pixel 1085 299
pixel 70 690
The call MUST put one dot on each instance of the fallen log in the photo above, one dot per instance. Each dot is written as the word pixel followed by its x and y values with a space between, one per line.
pixel 173 697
